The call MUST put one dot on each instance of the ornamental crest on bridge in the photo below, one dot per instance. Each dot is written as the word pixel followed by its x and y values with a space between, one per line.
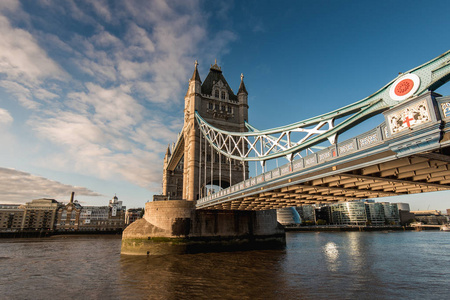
pixel 410 114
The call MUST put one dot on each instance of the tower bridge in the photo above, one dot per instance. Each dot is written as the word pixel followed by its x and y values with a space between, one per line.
pixel 408 153
pixel 378 163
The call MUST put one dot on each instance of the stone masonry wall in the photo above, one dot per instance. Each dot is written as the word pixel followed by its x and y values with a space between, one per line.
pixel 171 216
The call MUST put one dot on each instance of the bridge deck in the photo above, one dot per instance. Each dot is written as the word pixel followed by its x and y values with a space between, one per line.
pixel 374 164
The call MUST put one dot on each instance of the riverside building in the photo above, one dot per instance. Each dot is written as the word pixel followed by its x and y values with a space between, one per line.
pixel 93 218
pixel 68 216
pixel 39 214
pixel 429 217
pixel 11 217
pixel 133 214
pixel 51 215
pixel 355 213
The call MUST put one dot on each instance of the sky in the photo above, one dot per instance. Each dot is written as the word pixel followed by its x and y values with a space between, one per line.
pixel 92 92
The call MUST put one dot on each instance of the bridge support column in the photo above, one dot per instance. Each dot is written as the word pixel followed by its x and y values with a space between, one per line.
pixel 175 227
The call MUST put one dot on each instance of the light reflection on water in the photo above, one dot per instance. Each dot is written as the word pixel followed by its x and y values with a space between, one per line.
pixel 347 265
pixel 331 254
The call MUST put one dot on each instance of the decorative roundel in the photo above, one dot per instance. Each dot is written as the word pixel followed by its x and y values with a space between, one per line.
pixel 404 87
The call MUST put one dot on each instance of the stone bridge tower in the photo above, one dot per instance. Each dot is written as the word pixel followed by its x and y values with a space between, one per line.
pixel 216 102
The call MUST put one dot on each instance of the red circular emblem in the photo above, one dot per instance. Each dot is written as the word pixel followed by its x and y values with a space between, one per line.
pixel 404 87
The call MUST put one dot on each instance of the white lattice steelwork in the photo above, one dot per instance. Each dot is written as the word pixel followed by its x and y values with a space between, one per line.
pixel 286 141
pixel 261 145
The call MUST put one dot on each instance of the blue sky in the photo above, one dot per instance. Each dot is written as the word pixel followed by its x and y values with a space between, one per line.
pixel 91 92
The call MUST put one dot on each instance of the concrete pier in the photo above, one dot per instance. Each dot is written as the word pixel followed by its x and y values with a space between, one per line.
pixel 175 227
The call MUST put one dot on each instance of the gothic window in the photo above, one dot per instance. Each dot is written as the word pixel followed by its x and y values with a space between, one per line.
pixel 223 96
pixel 217 106
pixel 223 107
pixel 216 93
pixel 229 109
pixel 211 106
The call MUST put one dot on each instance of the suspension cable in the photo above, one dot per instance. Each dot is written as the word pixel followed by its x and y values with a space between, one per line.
pixel 200 168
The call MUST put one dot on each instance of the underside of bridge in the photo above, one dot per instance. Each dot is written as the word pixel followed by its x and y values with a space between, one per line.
pixel 428 172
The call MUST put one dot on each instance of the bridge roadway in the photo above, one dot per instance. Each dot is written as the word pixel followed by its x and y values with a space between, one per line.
pixel 378 163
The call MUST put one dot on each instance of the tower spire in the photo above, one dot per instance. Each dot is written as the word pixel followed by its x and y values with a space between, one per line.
pixel 196 75
pixel 242 88
pixel 215 66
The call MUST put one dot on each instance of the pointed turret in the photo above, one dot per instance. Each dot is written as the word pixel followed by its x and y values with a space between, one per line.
pixel 167 156
pixel 242 88
pixel 196 75
pixel 195 83
pixel 242 96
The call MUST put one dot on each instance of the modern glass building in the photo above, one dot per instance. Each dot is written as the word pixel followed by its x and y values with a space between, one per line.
pixel 375 214
pixel 288 216
pixel 307 213
pixel 349 213
pixel 391 213
pixel 357 213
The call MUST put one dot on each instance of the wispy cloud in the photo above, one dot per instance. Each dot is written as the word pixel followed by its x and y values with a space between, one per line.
pixel 5 117
pixel 21 57
pixel 105 85
pixel 20 187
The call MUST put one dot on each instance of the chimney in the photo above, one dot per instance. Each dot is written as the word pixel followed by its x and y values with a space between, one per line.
pixel 71 197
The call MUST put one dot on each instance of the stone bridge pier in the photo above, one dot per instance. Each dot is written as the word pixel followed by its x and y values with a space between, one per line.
pixel 176 227
pixel 191 169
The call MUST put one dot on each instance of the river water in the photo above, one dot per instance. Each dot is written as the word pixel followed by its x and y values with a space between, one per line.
pixel 344 265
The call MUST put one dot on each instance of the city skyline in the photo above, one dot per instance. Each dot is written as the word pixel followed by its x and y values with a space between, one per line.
pixel 92 92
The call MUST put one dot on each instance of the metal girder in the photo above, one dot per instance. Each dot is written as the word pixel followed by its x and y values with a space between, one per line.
pixel 392 180
pixel 412 175
pixel 352 186
pixel 262 145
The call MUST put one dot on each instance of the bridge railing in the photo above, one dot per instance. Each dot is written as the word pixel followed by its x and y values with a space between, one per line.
pixel 361 142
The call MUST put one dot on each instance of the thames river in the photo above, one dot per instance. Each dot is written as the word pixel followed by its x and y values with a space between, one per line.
pixel 344 265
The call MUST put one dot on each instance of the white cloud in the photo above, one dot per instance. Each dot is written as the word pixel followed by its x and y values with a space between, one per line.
pixel 101 9
pixel 21 58
pixel 68 129
pixel 103 136
pixel 9 5
pixel 20 187
pixel 105 39
pixel 139 39
pixel 5 117
pixel 117 113
pixel 21 93
pixel 113 108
